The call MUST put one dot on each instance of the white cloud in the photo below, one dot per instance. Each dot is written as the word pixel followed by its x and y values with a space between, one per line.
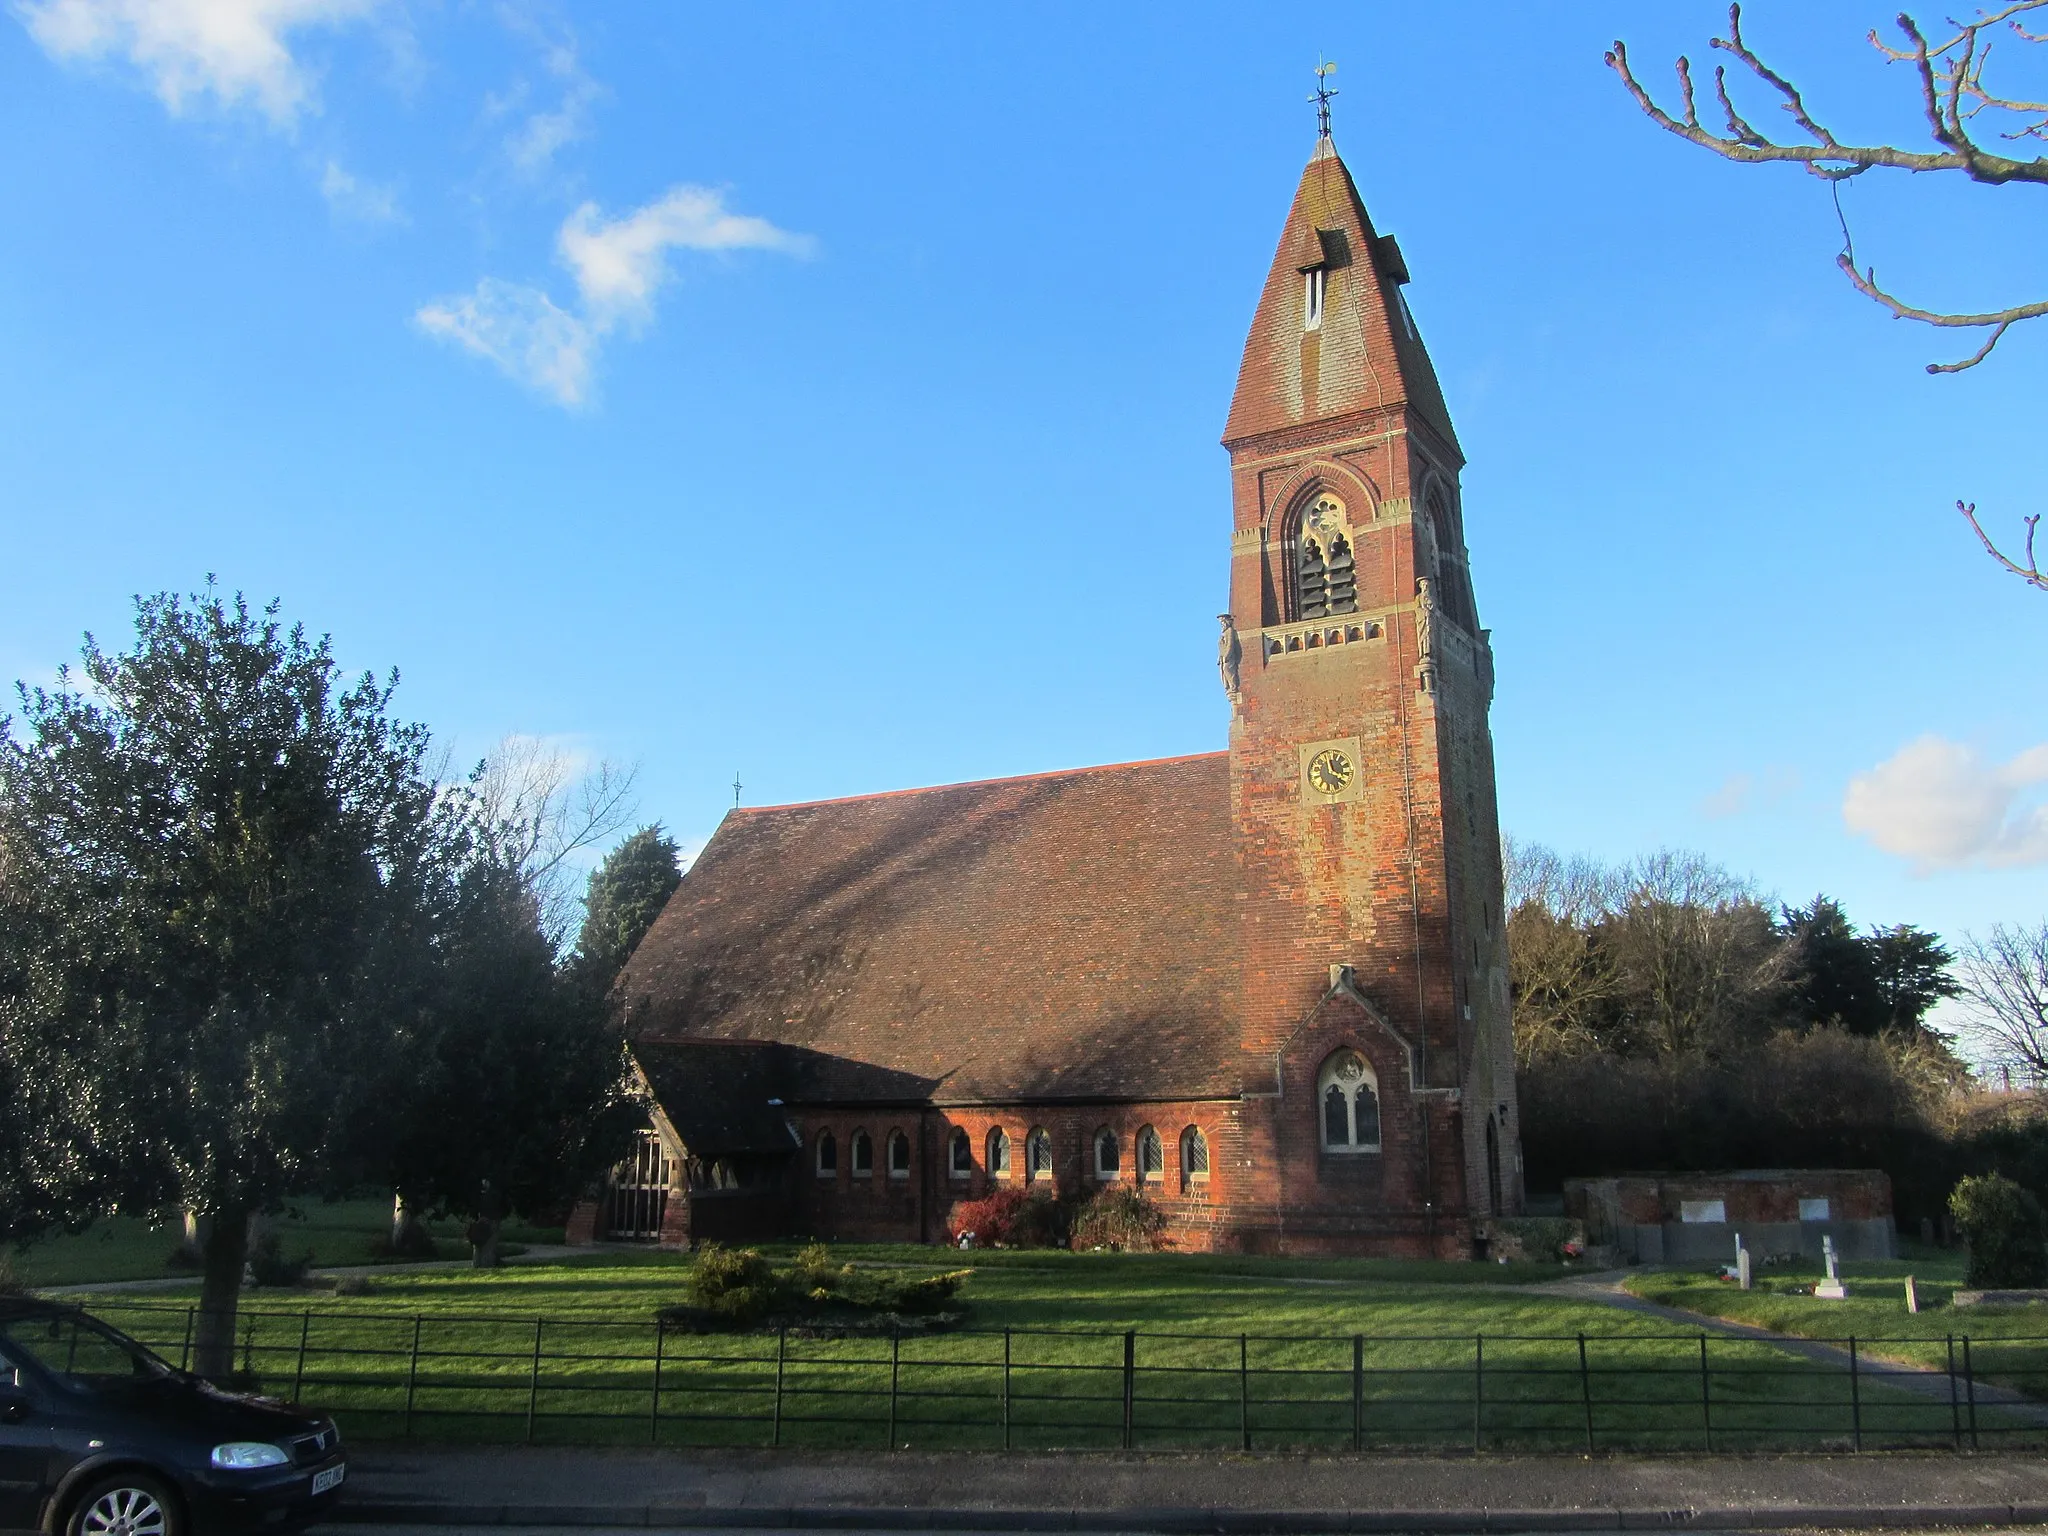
pixel 1741 793
pixel 1938 803
pixel 619 265
pixel 234 50
pixel 534 145
pixel 362 202
pixel 523 331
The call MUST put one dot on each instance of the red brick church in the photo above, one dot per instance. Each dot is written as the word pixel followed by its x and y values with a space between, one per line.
pixel 1266 985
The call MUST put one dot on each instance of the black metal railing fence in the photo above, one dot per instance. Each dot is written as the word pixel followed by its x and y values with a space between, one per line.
pixel 404 1376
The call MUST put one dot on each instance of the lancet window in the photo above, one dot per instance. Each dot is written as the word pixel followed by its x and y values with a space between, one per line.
pixel 1326 571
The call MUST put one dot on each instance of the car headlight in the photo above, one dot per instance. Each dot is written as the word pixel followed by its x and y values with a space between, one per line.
pixel 243 1454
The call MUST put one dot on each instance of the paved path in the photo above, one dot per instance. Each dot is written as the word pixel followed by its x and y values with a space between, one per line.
pixel 558 1486
pixel 1606 1289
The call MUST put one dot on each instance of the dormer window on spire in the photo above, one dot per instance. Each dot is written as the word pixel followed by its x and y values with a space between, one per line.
pixel 1321 250
pixel 1312 298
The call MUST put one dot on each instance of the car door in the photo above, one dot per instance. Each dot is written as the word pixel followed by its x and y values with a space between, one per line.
pixel 25 1445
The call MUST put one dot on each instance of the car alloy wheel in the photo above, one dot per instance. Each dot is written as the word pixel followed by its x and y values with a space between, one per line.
pixel 124 1506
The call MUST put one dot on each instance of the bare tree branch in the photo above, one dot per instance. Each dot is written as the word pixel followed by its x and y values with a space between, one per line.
pixel 2031 573
pixel 540 808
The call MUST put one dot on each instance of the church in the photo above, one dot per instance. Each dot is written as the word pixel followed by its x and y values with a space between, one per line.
pixel 1264 986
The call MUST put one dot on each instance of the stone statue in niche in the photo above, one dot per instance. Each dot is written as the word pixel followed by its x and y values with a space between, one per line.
pixel 1229 655
pixel 1425 618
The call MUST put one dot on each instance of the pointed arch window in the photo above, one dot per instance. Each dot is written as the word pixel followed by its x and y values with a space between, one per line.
pixel 1194 1158
pixel 1349 1104
pixel 1108 1155
pixel 1038 1155
pixel 999 1153
pixel 828 1155
pixel 899 1155
pixel 959 1155
pixel 1151 1156
pixel 861 1150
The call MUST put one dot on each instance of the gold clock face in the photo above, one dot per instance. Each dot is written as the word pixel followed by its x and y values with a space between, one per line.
pixel 1329 771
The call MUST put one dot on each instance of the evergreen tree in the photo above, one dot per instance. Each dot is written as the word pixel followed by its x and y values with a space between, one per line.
pixel 626 894
pixel 1911 965
pixel 220 871
pixel 1839 982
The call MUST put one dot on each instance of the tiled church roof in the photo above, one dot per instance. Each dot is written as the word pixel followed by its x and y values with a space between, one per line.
pixel 1066 935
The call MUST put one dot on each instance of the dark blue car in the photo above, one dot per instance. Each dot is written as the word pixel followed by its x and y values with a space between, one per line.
pixel 99 1437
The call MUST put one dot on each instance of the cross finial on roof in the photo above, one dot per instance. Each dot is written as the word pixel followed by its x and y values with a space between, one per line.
pixel 1323 97
pixel 735 791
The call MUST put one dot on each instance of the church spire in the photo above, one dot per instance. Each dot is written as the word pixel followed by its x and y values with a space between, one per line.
pixel 1332 337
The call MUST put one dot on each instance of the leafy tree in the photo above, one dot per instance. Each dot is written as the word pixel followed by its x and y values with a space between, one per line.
pixel 1968 121
pixel 511 1090
pixel 222 868
pixel 626 894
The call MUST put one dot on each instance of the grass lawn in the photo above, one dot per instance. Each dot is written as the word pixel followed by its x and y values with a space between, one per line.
pixel 2007 1345
pixel 128 1248
pixel 1284 1354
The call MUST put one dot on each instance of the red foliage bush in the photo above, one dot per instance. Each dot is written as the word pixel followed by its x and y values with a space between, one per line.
pixel 1008 1218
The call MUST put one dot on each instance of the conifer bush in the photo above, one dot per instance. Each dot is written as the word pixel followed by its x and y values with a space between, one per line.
pixel 1120 1218
pixel 2007 1232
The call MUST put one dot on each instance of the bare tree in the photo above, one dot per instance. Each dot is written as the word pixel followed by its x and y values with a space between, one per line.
pixel 2005 986
pixel 1961 111
pixel 541 807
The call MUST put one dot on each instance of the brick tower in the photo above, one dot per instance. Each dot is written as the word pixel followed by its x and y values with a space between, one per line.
pixel 1379 1069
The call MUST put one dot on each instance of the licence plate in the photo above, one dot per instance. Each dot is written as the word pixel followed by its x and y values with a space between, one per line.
pixel 331 1478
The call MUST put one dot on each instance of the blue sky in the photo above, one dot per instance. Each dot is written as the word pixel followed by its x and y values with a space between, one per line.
pixel 831 394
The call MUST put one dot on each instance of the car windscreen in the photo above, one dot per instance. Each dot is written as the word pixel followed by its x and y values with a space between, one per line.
pixel 79 1352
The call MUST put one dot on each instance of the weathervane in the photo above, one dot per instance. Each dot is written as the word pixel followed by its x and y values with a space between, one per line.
pixel 735 790
pixel 1323 96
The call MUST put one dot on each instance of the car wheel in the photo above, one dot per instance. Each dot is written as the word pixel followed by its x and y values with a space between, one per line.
pixel 126 1504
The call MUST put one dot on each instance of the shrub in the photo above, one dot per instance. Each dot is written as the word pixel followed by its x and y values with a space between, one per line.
pixel 2007 1232
pixel 1119 1218
pixel 735 1284
pixel 1011 1218
pixel 413 1241
pixel 10 1283
pixel 269 1266
pixel 353 1285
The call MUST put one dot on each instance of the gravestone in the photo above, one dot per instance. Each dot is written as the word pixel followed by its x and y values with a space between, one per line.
pixel 1741 1263
pixel 1831 1289
pixel 1912 1296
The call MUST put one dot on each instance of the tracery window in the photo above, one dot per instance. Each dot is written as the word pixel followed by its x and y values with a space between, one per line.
pixel 1038 1154
pixel 828 1155
pixel 899 1155
pixel 1194 1158
pixel 999 1153
pixel 1108 1155
pixel 1350 1104
pixel 1326 571
pixel 1151 1156
pixel 960 1155
pixel 862 1155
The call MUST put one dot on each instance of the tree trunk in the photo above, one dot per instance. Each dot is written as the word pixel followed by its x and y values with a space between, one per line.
pixel 225 1255
pixel 483 1237
pixel 407 1231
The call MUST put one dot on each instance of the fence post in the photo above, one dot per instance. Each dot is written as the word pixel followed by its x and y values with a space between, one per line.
pixel 1706 1398
pixel 185 1351
pixel 533 1384
pixel 782 1358
pixel 1006 1389
pixel 1970 1386
pixel 1130 1380
pixel 248 1346
pixel 895 1372
pixel 1955 1406
pixel 1244 1392
pixel 412 1373
pixel 1478 1387
pixel 299 1374
pixel 1358 1392
pixel 1855 1400
pixel 1586 1393
pixel 654 1408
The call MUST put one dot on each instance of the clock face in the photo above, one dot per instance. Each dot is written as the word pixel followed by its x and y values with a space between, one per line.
pixel 1329 771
